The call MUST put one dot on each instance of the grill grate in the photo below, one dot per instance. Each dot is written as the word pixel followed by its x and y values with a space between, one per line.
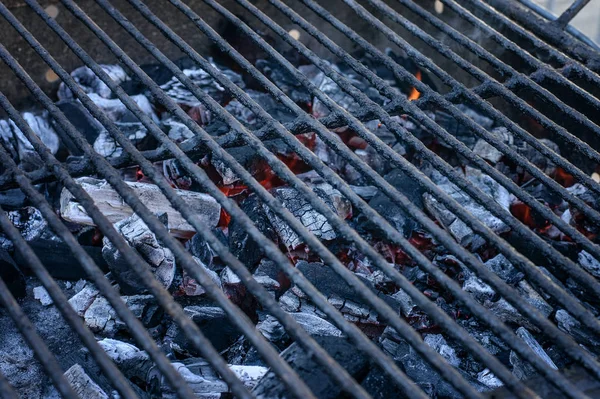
pixel 583 66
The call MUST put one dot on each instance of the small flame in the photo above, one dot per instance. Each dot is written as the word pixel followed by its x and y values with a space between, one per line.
pixel 414 93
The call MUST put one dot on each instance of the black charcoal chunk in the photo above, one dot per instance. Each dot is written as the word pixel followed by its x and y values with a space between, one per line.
pixel 459 130
pixel 285 81
pixel 142 239
pixel 581 334
pixel 11 275
pixel 83 121
pixel 215 326
pixel 521 369
pixel 539 160
pixel 315 222
pixel 319 382
pixel 589 263
pixel 487 151
pixel 274 108
pixel 392 212
pixel 240 243
pixel 28 221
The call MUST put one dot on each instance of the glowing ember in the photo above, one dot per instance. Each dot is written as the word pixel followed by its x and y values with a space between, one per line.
pixel 414 93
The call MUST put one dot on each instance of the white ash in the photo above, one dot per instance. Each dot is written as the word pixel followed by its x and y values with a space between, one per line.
pixel 132 361
pixel 82 384
pixel 438 343
pixel 82 300
pixel 102 319
pixel 108 147
pixel 177 91
pixel 407 305
pixel 177 131
pixel 89 82
pixel 274 331
pixel 589 263
pixel 487 151
pixel 16 141
pixel 500 266
pixel 118 112
pixel 113 207
pixel 144 241
pixel 487 378
pixel 463 234
pixel 30 223
pixel 42 295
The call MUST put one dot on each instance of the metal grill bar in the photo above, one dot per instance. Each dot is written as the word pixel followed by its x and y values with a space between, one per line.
pixel 448 243
pixel 256 75
pixel 6 390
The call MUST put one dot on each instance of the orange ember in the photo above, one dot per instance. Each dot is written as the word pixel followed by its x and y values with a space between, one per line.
pixel 563 178
pixel 523 213
pixel 414 93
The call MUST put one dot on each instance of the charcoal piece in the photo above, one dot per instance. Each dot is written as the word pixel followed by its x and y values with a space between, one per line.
pixel 82 120
pixel 487 151
pixel 14 197
pixel 30 223
pixel 319 382
pixel 572 326
pixel 487 378
pixel 18 145
pixel 201 79
pixel 101 318
pixel 240 243
pixel 203 380
pixel 176 130
pixel 176 174
pixel 388 137
pixel 285 81
pixel 380 385
pixel 315 222
pixel 228 176
pixel 388 209
pixel 215 325
pixel 191 287
pixel 459 130
pixel 407 305
pixel 108 147
pixel 329 87
pixel 113 207
pixel 42 295
pixel 89 82
pixel 118 112
pixel 274 108
pixel 200 249
pixel 539 160
pixel 142 239
pixel 507 313
pixel 11 275
pixel 589 263
pixel 439 344
pixel 419 370
pixel 316 326
pixel 82 384
pixel 521 369
pixel 58 259
pixel 132 361
pixel 461 232
pixel 82 300
pixel 501 267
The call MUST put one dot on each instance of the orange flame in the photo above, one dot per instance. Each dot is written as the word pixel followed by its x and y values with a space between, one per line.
pixel 414 93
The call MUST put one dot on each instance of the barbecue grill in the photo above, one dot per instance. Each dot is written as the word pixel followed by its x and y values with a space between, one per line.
pixel 525 73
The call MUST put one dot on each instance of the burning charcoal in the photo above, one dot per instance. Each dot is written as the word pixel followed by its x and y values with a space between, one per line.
pixel 418 369
pixel 302 210
pixel 28 221
pixel 507 313
pixel 143 240
pixel 201 79
pixel 215 325
pixel 319 382
pixel 314 325
pixel 572 326
pixel 19 146
pixel 227 174
pixel 463 234
pixel 113 207
pixel 589 263
pixel 176 174
pixel 42 295
pixel 11 275
pixel 392 212
pixel 524 370
pixel 101 318
pixel 107 146
pixel 204 381
pixel 89 82
pixel 538 159
pixel 128 358
pixel 191 287
pixel 82 384
pixel 487 151
pixel 240 243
